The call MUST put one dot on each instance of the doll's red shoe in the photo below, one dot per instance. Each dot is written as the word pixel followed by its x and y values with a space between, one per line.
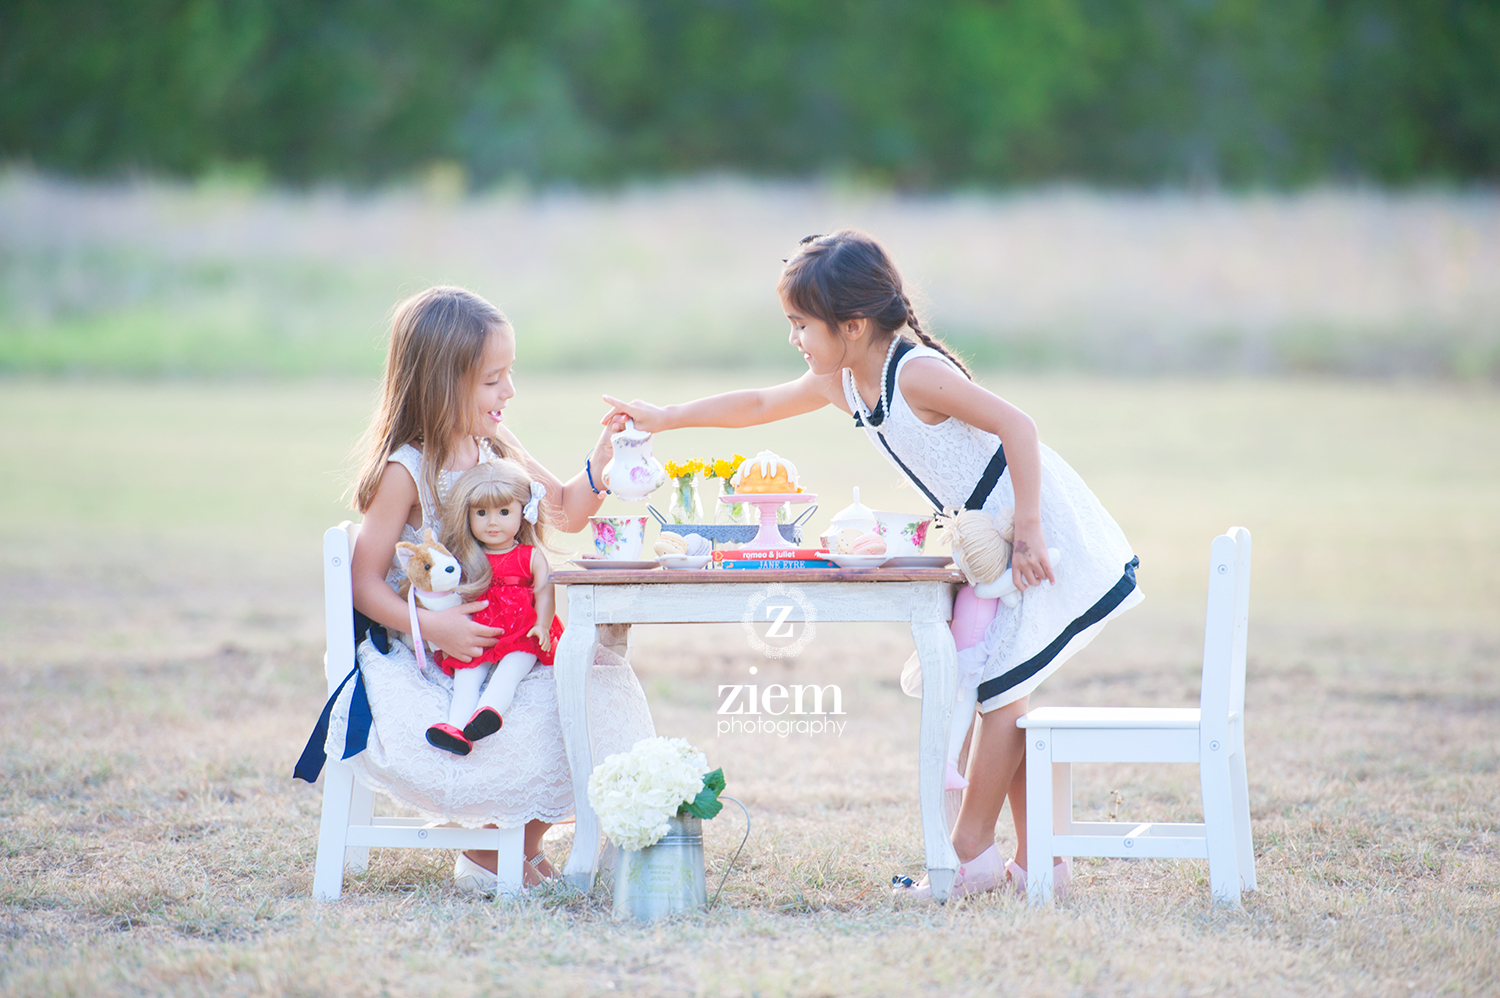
pixel 485 722
pixel 449 739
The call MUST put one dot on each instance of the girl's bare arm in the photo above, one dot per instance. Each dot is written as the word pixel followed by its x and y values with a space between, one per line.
pixel 573 500
pixel 749 407
pixel 451 629
pixel 936 391
pixel 544 591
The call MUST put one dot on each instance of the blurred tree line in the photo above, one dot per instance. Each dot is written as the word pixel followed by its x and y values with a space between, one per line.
pixel 913 92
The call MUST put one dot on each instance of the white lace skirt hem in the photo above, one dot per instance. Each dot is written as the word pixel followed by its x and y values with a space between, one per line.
pixel 517 775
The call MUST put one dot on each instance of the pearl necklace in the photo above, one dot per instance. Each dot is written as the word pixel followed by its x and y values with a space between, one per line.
pixel 884 408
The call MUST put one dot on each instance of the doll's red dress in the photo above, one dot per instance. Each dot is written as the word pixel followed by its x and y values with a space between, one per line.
pixel 512 608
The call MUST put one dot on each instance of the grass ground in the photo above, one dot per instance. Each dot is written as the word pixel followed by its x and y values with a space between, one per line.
pixel 159 642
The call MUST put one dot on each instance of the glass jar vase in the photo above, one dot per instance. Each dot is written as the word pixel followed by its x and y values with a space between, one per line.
pixel 685 506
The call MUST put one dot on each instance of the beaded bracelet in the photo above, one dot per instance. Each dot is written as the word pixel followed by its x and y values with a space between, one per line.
pixel 588 469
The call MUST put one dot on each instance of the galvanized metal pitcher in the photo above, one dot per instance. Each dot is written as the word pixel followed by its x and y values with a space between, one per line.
pixel 665 878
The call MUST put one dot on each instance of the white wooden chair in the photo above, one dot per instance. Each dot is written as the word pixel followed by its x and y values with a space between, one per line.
pixel 1212 736
pixel 349 827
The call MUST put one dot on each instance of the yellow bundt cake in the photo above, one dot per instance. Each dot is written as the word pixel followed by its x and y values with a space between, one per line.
pixel 766 473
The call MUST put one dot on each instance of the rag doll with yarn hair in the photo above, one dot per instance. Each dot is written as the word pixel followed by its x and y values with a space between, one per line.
pixel 981 551
pixel 494 523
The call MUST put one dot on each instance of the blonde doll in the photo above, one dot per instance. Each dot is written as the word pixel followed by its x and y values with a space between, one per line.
pixel 493 524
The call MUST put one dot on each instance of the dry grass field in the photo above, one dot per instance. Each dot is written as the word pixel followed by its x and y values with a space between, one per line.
pixel 160 649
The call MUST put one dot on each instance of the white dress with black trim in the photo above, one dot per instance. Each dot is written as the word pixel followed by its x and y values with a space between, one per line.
pixel 1095 574
pixel 518 774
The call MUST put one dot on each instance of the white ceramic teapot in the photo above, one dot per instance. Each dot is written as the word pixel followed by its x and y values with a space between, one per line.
pixel 633 474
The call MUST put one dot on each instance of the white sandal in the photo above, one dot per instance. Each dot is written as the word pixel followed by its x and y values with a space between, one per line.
pixel 470 877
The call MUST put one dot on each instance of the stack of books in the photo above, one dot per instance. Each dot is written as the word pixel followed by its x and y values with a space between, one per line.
pixel 772 558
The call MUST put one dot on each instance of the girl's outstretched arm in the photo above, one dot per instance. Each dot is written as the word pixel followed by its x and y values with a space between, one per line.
pixel 574 499
pixel 749 407
pixel 451 630
pixel 935 391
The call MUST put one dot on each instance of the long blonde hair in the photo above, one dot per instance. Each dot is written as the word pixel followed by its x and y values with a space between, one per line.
pixel 487 485
pixel 437 339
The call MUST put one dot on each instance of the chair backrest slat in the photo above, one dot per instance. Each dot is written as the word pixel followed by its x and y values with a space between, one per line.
pixel 1241 619
pixel 1219 638
pixel 338 601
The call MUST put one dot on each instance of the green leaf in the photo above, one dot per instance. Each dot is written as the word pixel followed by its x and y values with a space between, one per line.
pixel 707 803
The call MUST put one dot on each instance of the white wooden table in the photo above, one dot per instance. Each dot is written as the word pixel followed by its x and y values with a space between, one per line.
pixel 603 604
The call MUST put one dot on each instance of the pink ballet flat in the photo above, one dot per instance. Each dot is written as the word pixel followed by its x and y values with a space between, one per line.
pixel 952 778
pixel 1062 873
pixel 485 722
pixel 982 873
pixel 448 738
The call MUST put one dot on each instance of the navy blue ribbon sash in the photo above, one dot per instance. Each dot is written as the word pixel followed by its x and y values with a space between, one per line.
pixel 1036 663
pixel 357 736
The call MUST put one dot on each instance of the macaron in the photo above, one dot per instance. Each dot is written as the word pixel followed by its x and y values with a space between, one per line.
pixel 670 543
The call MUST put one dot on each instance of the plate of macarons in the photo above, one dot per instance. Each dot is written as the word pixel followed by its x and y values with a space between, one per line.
pixel 680 551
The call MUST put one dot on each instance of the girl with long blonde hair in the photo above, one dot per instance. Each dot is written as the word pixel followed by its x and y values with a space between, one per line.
pixel 447 382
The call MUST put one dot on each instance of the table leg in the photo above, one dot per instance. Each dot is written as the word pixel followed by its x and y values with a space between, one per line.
pixel 573 667
pixel 939 657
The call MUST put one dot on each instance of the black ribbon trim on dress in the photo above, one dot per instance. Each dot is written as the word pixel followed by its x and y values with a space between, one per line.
pixel 907 472
pixel 1103 608
pixel 878 414
pixel 992 473
pixel 987 479
pixel 357 735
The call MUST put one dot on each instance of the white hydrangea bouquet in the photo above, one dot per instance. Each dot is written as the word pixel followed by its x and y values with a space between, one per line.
pixel 635 793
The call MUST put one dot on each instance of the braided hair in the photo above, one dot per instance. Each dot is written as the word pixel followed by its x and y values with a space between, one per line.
pixel 848 275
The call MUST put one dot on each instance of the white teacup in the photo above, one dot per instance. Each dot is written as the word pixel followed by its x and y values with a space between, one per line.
pixel 619 538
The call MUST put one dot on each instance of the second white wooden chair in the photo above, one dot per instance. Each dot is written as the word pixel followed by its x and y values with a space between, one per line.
pixel 1211 736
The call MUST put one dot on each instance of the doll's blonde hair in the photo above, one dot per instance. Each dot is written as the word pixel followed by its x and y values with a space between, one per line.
pixel 488 485
pixel 437 339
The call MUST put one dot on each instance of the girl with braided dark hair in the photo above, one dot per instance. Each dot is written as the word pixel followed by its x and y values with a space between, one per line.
pixel 963 448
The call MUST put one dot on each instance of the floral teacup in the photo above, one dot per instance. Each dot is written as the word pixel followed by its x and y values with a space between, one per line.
pixel 904 533
pixel 619 538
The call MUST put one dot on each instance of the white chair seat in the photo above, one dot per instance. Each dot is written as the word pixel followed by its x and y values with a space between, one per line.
pixel 1112 717
pixel 1212 737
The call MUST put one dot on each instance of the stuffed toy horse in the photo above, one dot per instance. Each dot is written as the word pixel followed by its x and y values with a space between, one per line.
pixel 432 578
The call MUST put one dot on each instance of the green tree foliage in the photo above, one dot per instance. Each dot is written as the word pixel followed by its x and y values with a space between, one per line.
pixel 916 92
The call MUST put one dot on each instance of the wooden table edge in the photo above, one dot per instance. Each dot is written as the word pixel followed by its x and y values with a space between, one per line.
pixel 668 577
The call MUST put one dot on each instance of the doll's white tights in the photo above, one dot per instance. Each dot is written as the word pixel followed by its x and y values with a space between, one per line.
pixel 505 675
pixel 971 618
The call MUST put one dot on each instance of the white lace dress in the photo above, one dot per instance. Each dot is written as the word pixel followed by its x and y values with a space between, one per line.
pixel 516 775
pixel 1096 568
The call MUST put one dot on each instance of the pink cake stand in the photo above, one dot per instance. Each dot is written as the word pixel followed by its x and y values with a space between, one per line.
pixel 767 503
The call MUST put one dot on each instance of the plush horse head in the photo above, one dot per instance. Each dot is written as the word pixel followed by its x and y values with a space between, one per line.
pixel 429 567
